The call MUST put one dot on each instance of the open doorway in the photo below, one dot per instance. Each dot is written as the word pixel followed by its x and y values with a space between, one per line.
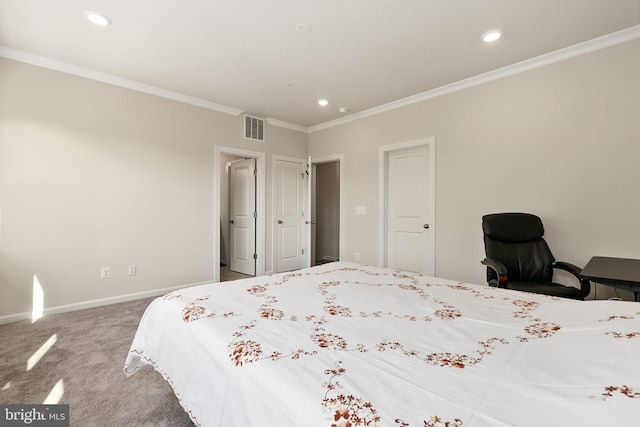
pixel 224 159
pixel 237 217
pixel 325 211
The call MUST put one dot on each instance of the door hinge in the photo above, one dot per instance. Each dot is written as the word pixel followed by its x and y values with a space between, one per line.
pixel 255 256
pixel 303 252
pixel 255 214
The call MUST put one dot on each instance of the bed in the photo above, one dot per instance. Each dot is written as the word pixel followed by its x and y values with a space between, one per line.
pixel 349 345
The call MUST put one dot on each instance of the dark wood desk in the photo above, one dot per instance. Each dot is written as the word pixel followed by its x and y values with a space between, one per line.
pixel 620 273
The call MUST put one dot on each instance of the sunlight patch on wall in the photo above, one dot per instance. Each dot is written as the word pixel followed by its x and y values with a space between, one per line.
pixel 7 386
pixel 55 395
pixel 35 358
pixel 38 300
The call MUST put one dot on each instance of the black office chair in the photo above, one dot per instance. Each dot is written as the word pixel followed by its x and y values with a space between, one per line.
pixel 519 258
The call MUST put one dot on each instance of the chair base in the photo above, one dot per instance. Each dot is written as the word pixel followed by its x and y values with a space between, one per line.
pixel 551 289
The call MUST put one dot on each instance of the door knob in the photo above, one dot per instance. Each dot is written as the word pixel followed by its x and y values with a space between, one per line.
pixel 425 226
pixel 279 221
pixel 231 222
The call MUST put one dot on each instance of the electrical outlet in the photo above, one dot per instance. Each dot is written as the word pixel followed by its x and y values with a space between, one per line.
pixel 131 270
pixel 105 272
pixel 356 256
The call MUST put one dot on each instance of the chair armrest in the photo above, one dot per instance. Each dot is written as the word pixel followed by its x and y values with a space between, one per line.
pixel 585 284
pixel 499 268
pixel 575 270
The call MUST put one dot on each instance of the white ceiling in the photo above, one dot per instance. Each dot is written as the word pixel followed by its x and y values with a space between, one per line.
pixel 249 54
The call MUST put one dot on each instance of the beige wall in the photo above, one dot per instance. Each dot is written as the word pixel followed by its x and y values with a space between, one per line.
pixel 93 175
pixel 561 141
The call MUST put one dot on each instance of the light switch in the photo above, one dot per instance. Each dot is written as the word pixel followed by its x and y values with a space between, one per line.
pixel 361 210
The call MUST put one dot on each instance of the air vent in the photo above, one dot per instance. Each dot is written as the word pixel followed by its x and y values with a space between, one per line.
pixel 253 128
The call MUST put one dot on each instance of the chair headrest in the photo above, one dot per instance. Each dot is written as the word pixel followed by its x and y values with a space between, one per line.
pixel 512 227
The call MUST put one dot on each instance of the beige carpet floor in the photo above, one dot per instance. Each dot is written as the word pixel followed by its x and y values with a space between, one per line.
pixel 86 361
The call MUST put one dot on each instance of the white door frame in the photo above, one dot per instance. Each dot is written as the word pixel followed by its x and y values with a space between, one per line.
pixel 328 159
pixel 430 143
pixel 260 206
pixel 275 159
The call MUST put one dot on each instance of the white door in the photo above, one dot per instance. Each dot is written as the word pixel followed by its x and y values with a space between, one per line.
pixel 242 216
pixel 409 235
pixel 290 215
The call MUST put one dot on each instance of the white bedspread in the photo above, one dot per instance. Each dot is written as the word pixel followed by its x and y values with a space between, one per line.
pixel 347 345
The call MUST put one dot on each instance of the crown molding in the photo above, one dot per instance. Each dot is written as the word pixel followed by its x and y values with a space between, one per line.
pixel 608 40
pixel 286 125
pixel 599 43
pixel 87 73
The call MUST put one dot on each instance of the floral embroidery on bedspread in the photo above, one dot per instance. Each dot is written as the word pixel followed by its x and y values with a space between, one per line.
pixel 539 329
pixel 616 334
pixel 624 390
pixel 628 335
pixel 346 410
pixel 475 292
pixel 454 360
pixel 248 350
pixel 526 308
pixel 434 421
pixel 610 318
pixel 196 311
pixel 350 411
pixel 448 314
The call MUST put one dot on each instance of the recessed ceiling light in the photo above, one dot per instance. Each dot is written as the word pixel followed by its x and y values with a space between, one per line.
pixel 98 18
pixel 491 36
pixel 303 28
pixel 343 109
pixel 323 102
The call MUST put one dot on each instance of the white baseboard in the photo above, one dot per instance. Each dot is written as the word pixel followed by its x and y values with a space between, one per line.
pixel 10 318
